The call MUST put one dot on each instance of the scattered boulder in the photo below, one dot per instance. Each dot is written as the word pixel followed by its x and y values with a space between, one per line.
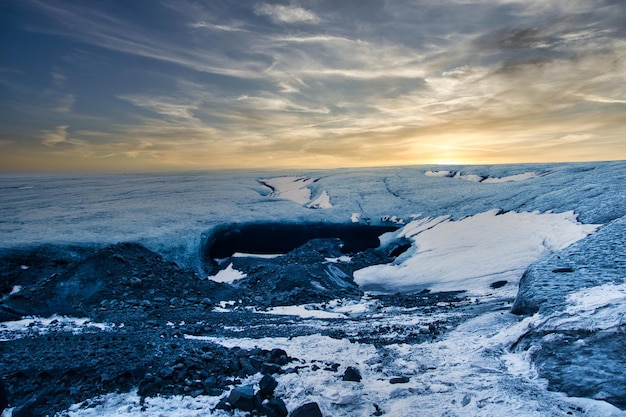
pixel 242 398
pixel 498 284
pixel 275 407
pixel 307 410
pixel 352 374
pixel 267 385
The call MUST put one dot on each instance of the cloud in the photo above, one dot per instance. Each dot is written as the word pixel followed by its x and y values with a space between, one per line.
pixel 55 137
pixel 286 14
pixel 224 28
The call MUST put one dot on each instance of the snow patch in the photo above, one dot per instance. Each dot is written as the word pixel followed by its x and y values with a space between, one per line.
pixel 471 253
pixel 297 189
pixel 36 326
pixel 321 202
pixel 257 255
pixel 344 258
pixel 227 275
pixel 596 308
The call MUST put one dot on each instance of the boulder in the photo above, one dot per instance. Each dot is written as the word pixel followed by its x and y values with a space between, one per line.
pixel 267 385
pixel 307 410
pixel 352 374
pixel 242 398
pixel 275 407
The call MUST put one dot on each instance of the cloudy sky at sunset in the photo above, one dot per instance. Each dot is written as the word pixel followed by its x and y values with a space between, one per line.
pixel 148 85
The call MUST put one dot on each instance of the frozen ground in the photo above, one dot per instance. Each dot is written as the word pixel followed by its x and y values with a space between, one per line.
pixel 559 226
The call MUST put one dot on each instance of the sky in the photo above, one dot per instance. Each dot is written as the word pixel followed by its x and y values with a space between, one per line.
pixel 156 85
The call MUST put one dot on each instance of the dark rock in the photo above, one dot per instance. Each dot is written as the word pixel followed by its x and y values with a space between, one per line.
pixel 275 407
pixel 399 380
pixel 270 368
pixel 267 385
pixel 210 382
pixel 242 398
pixel 563 270
pixel 247 367
pixel 352 374
pixel 279 356
pixel 135 282
pixel 498 284
pixel 307 410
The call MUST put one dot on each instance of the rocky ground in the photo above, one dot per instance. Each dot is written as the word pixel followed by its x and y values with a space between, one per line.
pixel 149 305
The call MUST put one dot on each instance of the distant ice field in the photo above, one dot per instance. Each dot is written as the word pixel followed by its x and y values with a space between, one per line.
pixel 170 213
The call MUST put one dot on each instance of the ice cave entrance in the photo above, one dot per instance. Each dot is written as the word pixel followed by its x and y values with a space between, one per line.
pixel 280 238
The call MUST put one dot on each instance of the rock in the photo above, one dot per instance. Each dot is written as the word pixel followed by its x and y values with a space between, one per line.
pixel 135 282
pixel 242 398
pixel 498 284
pixel 307 410
pixel 352 374
pixel 279 357
pixel 270 368
pixel 399 380
pixel 275 407
pixel 267 385
pixel 247 367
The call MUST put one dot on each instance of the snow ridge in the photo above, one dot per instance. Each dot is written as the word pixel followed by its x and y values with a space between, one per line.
pixel 481 178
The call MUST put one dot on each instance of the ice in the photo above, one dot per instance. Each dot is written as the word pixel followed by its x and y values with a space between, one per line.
pixel 469 234
pixel 170 213
pixel 471 253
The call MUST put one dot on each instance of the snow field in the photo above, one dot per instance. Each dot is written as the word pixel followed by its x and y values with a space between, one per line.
pixel 473 252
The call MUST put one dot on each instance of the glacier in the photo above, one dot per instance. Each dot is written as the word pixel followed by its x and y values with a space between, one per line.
pixel 537 250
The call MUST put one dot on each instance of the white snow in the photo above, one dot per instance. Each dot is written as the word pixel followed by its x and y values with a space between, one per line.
pixel 512 178
pixel 471 253
pixel 34 326
pixel 441 173
pixel 480 178
pixel 468 177
pixel 15 289
pixel 596 308
pixel 257 255
pixel 304 311
pixel 470 371
pixel 290 188
pixel 344 258
pixel 297 189
pixel 321 202
pixel 227 275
